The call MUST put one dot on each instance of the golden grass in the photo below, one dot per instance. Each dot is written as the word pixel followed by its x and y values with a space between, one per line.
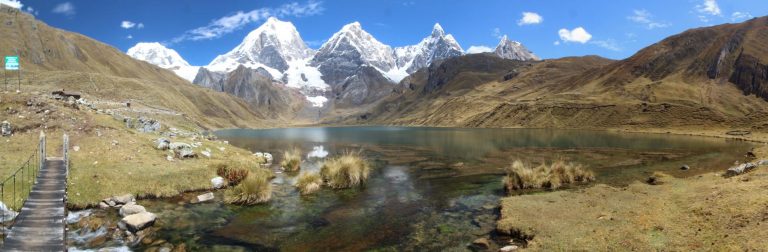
pixel 254 189
pixel 234 174
pixel 345 171
pixel 291 160
pixel 309 182
pixel 519 176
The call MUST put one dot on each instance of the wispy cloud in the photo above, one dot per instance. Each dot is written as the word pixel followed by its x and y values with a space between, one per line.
pixel 409 3
pixel 12 3
pixel 578 35
pixel 315 43
pixel 530 18
pixel 707 9
pixel 129 36
pixel 126 24
pixel 738 16
pixel 496 33
pixel 65 8
pixel 646 18
pixel 231 23
pixel 609 44
pixel 478 49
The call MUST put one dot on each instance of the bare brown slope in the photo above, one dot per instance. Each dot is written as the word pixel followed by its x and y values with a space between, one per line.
pixel 53 59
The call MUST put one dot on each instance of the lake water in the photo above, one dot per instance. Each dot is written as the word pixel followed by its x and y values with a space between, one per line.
pixel 430 188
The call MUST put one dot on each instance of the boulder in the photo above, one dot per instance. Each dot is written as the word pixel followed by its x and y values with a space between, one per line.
pixel 481 243
pixel 217 182
pixel 739 169
pixel 124 199
pixel 685 167
pixel 131 208
pixel 162 143
pixel 147 125
pixel 139 221
pixel 5 128
pixel 182 150
pixel 508 248
pixel 206 154
pixel 205 197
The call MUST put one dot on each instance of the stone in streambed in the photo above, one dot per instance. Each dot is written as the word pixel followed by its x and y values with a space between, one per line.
pixel 131 208
pixel 139 221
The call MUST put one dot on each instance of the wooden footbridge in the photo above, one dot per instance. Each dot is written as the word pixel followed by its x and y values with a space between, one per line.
pixel 40 188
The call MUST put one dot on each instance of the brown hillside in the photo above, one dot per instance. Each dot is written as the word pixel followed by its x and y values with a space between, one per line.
pixel 53 59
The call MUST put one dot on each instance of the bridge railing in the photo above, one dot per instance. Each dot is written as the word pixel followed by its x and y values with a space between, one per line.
pixel 15 189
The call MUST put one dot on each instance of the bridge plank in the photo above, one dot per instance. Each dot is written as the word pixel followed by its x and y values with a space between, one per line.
pixel 40 224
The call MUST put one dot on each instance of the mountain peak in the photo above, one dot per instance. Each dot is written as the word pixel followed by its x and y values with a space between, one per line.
pixel 157 54
pixel 510 49
pixel 437 30
pixel 354 26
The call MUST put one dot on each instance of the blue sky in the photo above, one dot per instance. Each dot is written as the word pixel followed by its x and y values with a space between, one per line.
pixel 199 30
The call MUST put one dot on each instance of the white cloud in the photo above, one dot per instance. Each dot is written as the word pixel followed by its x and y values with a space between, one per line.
pixel 645 18
pixel 409 3
pixel 496 33
pixel 140 26
pixel 129 36
pixel 709 7
pixel 478 49
pixel 12 3
pixel 127 24
pixel 65 8
pixel 609 44
pixel 578 34
pixel 228 24
pixel 738 16
pixel 557 42
pixel 530 18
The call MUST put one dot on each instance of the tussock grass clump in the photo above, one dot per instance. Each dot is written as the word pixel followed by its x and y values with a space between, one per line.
pixel 291 160
pixel 345 171
pixel 309 182
pixel 519 176
pixel 254 189
pixel 233 175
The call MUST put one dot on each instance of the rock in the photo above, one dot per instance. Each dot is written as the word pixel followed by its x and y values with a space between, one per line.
pixel 5 128
pixel 762 162
pixel 205 197
pixel 481 242
pixel 751 155
pixel 103 205
pixel 139 221
pixel 76 148
pixel 147 125
pixel 169 158
pixel 685 167
pixel 217 182
pixel 508 248
pixel 131 208
pixel 206 154
pixel 124 199
pixel 115 142
pixel 740 169
pixel 162 143
pixel 182 150
pixel 111 203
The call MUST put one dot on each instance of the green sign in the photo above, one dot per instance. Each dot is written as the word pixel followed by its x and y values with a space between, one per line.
pixel 11 62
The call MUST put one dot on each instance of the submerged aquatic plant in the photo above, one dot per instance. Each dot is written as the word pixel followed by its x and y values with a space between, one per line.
pixel 345 171
pixel 291 160
pixel 255 188
pixel 309 182
pixel 520 176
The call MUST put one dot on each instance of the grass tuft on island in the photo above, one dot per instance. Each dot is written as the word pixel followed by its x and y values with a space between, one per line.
pixel 254 189
pixel 309 182
pixel 291 160
pixel 345 171
pixel 521 176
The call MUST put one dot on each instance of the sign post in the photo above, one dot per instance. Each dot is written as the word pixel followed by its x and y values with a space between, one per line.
pixel 12 63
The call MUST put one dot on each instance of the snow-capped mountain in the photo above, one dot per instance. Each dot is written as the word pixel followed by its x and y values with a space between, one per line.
pixel 436 46
pixel 509 49
pixel 277 47
pixel 159 55
pixel 350 48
